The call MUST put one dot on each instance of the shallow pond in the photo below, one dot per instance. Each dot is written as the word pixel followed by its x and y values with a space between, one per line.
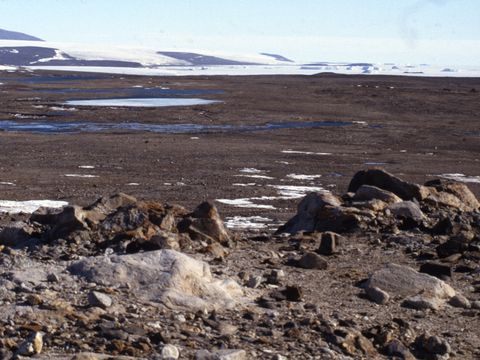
pixel 75 127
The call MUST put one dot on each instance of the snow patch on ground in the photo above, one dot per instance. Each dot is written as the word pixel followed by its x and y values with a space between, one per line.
pixel 252 171
pixel 461 178
pixel 256 176
pixel 7 183
pixel 142 102
pixel 303 177
pixel 86 167
pixel 28 207
pixel 294 192
pixel 243 184
pixel 305 152
pixel 81 175
pixel 245 203
pixel 247 222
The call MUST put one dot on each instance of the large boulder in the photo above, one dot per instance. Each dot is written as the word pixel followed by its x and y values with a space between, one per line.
pixel 406 283
pixel 166 276
pixel 307 212
pixel 205 224
pixel 386 181
pixel 451 194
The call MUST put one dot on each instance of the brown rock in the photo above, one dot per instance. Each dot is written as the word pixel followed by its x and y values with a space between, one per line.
pixel 312 260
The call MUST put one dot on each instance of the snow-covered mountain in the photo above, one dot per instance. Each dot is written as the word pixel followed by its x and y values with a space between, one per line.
pixel 22 50
pixel 13 35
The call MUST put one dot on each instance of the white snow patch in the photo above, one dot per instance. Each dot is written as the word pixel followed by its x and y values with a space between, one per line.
pixel 194 138
pixel 28 207
pixel 303 177
pixel 360 122
pixel 246 222
pixel 461 178
pixel 244 203
pixel 251 171
pixel 133 184
pixel 81 175
pixel 294 192
pixel 142 102
pixel 243 184
pixel 305 152
pixel 86 167
pixel 256 176
pixel 61 108
pixel 58 56
pixel 7 183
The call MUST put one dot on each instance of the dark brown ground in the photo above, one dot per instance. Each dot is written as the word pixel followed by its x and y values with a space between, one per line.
pixel 418 126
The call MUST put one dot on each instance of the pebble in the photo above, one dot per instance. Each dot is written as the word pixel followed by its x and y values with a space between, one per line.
pixel 312 260
pixel 99 299
pixel 170 352
pixel 254 281
pixel 377 295
pixel 460 301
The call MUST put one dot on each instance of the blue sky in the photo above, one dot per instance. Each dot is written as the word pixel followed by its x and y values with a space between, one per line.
pixel 410 31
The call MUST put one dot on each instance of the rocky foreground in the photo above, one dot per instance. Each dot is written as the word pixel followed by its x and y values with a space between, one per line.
pixel 390 269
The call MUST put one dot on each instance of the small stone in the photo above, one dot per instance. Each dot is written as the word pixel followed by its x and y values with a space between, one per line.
pixel 33 345
pixel 276 276
pixel 85 356
pixel 99 299
pixel 312 260
pixel 433 344
pixel 476 304
pixel 34 299
pixel 436 269
pixel 231 354
pixel 377 295
pixel 254 281
pixel 328 243
pixel 53 278
pixel 170 352
pixel 422 303
pixel 397 348
pixel 293 293
pixel 460 301
pixel 279 357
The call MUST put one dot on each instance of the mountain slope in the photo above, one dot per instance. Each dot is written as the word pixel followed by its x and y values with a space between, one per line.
pixel 13 35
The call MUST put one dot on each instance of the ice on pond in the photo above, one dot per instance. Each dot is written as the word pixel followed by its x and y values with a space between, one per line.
pixel 295 192
pixel 29 206
pixel 142 102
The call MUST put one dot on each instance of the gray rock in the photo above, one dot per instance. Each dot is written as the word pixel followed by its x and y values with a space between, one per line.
pixel 419 302
pixel 221 355
pixel 476 304
pixel 312 260
pixel 166 276
pixel 307 211
pixel 170 352
pixel 433 344
pixel 407 210
pixel 16 234
pixel 254 281
pixel 99 299
pixel 460 301
pixel 377 295
pixel 368 192
pixel 403 281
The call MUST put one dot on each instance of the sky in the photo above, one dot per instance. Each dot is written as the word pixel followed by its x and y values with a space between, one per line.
pixel 441 32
